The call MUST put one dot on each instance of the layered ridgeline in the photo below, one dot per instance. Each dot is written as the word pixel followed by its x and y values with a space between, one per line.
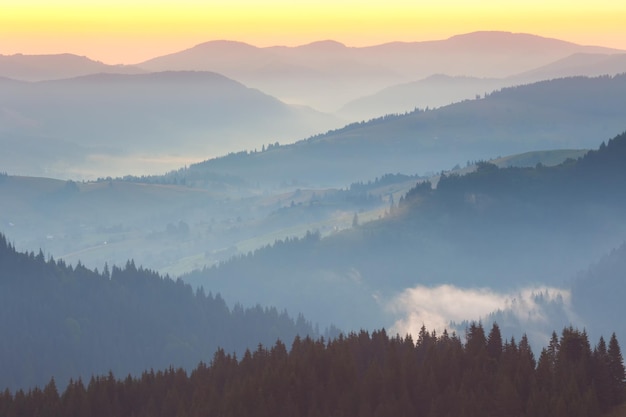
pixel 564 113
pixel 116 124
pixel 328 74
pixel 56 66
pixel 69 322
pixel 503 228
pixel 439 89
pixel 362 375
pixel 359 83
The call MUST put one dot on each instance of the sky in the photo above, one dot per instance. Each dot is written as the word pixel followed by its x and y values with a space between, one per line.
pixel 131 31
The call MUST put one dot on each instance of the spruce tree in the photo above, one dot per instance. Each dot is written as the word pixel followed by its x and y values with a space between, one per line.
pixel 494 342
pixel 616 368
pixel 602 376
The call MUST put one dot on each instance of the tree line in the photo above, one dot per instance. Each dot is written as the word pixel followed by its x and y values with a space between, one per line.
pixel 363 375
pixel 598 175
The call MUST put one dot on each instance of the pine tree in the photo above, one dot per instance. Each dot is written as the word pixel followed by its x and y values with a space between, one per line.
pixel 494 342
pixel 476 340
pixel 355 220
pixel 616 368
pixel 51 400
pixel 602 376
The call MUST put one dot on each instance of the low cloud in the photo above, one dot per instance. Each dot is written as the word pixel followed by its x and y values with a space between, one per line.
pixel 438 307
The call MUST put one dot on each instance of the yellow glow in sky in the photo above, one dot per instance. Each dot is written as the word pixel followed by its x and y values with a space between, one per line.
pixel 127 31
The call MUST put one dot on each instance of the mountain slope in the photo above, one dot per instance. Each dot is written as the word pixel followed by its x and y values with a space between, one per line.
pixel 157 225
pixel 439 90
pixel 566 113
pixel 70 322
pixel 434 91
pixel 502 228
pixel 52 67
pixel 185 219
pixel 115 120
pixel 586 64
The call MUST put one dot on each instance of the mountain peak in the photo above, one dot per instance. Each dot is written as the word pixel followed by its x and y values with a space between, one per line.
pixel 55 66
pixel 502 37
pixel 223 44
pixel 324 44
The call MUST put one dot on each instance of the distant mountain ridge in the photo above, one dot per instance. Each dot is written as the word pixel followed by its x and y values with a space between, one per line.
pixel 555 114
pixel 431 92
pixel 324 75
pixel 440 89
pixel 59 66
pixel 225 54
pixel 327 74
pixel 114 117
pixel 587 64
pixel 306 73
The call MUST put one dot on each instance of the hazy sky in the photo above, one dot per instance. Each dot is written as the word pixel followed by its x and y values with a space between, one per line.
pixel 130 31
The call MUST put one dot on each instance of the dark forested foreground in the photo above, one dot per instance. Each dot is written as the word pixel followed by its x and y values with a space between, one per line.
pixel 361 375
pixel 69 322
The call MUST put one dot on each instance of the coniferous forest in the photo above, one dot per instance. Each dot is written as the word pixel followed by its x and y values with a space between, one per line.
pixel 360 375
pixel 69 321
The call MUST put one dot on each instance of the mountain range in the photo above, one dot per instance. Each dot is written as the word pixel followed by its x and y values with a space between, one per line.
pixel 470 193
pixel 575 112
pixel 124 124
pixel 440 89
pixel 328 74
pixel 210 211
pixel 75 118
pixel 59 66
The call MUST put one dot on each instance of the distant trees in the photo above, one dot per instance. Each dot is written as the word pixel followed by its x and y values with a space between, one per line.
pixel 360 374
pixel 597 173
pixel 70 187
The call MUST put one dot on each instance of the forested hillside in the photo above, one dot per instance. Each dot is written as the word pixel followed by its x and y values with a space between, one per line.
pixel 575 112
pixel 599 292
pixel 503 228
pixel 361 375
pixel 69 322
